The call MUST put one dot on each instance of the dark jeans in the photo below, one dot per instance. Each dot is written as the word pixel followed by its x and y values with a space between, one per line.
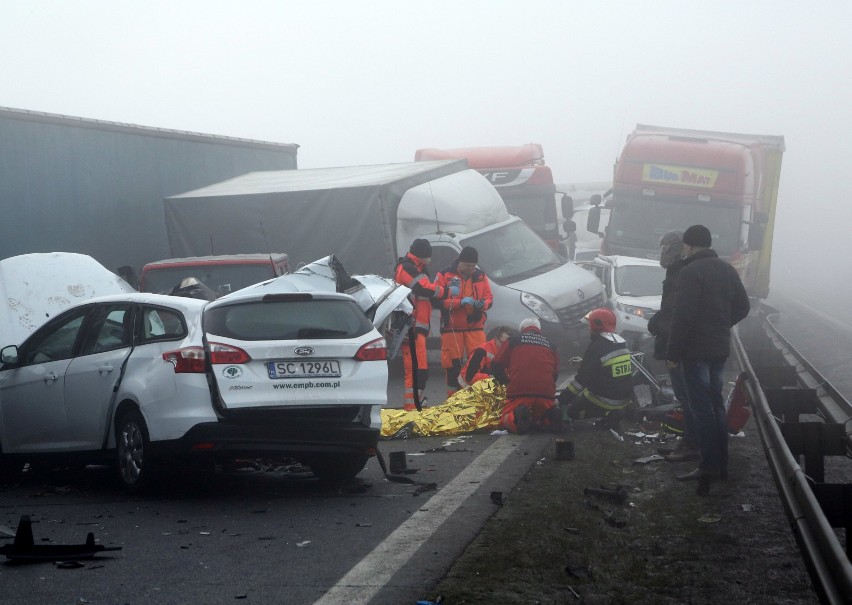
pixel 704 388
pixel 679 388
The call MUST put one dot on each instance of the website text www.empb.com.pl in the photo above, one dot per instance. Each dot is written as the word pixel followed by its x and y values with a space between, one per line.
pixel 307 385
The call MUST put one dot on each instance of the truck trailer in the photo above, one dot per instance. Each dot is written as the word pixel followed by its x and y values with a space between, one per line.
pixel 95 187
pixel 521 178
pixel 368 216
pixel 670 178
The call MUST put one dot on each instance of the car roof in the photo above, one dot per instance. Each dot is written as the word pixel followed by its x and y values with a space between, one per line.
pixel 218 259
pixel 182 303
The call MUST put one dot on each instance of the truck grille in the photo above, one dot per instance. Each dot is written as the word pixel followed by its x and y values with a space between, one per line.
pixel 570 317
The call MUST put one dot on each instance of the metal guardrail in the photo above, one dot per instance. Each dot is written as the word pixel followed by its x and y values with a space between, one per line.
pixel 782 387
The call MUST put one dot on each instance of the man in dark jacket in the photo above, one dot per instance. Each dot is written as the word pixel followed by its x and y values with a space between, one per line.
pixel 529 365
pixel 671 251
pixel 603 385
pixel 711 299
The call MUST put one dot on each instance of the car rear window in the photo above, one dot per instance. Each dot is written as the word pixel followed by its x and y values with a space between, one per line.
pixel 288 320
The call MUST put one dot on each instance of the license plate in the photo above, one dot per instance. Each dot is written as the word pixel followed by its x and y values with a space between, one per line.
pixel 327 368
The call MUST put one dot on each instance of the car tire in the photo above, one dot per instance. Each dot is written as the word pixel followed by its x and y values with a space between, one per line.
pixel 337 467
pixel 9 467
pixel 133 449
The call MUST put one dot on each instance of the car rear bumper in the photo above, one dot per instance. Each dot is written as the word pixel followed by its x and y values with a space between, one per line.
pixel 229 438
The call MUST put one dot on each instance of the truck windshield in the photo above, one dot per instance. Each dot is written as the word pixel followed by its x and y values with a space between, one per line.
pixel 220 278
pixel 639 280
pixel 512 253
pixel 639 223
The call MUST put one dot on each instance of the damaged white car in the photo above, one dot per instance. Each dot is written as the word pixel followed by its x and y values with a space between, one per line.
pixel 293 366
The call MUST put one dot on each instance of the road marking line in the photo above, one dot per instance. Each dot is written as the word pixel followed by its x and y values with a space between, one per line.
pixel 375 570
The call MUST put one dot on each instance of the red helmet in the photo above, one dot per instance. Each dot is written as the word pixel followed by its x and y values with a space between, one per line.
pixel 601 320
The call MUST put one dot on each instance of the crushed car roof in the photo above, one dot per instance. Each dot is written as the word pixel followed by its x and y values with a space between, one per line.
pixel 35 287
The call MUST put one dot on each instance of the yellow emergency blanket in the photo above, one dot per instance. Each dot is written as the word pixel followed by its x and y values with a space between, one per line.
pixel 474 408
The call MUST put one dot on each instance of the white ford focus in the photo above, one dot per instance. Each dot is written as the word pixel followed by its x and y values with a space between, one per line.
pixel 293 366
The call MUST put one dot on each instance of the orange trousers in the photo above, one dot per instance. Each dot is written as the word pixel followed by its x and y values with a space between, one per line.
pixel 422 369
pixel 456 347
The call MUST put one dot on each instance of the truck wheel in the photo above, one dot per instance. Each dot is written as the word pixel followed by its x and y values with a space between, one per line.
pixel 133 451
pixel 337 467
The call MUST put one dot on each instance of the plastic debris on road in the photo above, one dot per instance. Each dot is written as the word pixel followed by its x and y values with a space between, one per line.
pixel 473 408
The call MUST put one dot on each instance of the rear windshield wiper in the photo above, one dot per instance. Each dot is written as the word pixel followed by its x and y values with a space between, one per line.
pixel 319 332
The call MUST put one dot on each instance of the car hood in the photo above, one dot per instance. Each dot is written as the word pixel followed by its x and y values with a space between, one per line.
pixel 36 287
pixel 376 295
pixel 562 287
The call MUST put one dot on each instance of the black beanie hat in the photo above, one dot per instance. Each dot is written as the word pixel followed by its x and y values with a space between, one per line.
pixel 469 255
pixel 698 236
pixel 421 248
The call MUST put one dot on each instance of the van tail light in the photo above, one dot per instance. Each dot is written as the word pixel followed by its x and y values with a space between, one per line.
pixel 190 360
pixel 375 350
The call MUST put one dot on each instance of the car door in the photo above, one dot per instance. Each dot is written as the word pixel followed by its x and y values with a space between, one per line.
pixel 32 399
pixel 94 373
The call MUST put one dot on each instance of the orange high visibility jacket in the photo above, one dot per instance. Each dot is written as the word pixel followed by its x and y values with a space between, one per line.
pixel 411 272
pixel 456 317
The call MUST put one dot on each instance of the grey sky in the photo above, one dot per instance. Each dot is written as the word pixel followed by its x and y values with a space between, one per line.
pixel 370 82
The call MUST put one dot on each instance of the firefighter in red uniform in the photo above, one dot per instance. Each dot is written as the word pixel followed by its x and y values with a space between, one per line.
pixel 462 315
pixel 411 272
pixel 479 364
pixel 529 365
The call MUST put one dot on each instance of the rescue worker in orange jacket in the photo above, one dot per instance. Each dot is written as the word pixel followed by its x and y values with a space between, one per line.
pixel 529 366
pixel 411 272
pixel 462 315
pixel 478 366
pixel 603 385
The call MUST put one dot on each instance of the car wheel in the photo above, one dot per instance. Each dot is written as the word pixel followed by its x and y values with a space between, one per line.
pixel 9 468
pixel 133 451
pixel 337 467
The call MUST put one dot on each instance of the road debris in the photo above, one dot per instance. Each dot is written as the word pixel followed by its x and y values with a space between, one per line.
pixel 25 549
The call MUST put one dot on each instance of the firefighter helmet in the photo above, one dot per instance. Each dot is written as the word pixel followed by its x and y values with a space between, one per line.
pixel 601 320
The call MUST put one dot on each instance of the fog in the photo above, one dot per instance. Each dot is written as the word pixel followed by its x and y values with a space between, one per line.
pixel 370 82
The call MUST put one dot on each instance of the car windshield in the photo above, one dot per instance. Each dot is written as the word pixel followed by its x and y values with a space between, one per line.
pixel 512 253
pixel 639 280
pixel 537 211
pixel 220 278
pixel 288 320
pixel 639 223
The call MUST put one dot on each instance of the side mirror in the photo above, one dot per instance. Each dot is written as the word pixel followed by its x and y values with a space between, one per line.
pixel 567 206
pixel 756 234
pixel 593 221
pixel 9 355
pixel 595 200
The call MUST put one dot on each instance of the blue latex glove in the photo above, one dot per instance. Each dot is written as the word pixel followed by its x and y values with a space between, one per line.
pixel 467 300
pixel 454 290
pixel 479 303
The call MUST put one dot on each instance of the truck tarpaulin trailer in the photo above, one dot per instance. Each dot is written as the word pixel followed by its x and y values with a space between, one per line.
pixel 368 216
pixel 670 178
pixel 520 177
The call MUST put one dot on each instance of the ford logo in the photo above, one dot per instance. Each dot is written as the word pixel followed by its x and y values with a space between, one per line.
pixel 304 351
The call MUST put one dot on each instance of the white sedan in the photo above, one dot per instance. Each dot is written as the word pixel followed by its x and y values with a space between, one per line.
pixel 635 289
pixel 290 366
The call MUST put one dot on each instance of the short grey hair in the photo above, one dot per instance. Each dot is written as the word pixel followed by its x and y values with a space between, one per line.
pixel 529 321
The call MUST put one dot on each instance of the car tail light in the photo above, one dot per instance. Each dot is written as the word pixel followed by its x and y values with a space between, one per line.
pixel 190 360
pixel 220 353
pixel 375 350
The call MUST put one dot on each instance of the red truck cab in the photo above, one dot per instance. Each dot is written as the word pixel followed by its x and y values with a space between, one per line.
pixel 221 274
pixel 521 178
